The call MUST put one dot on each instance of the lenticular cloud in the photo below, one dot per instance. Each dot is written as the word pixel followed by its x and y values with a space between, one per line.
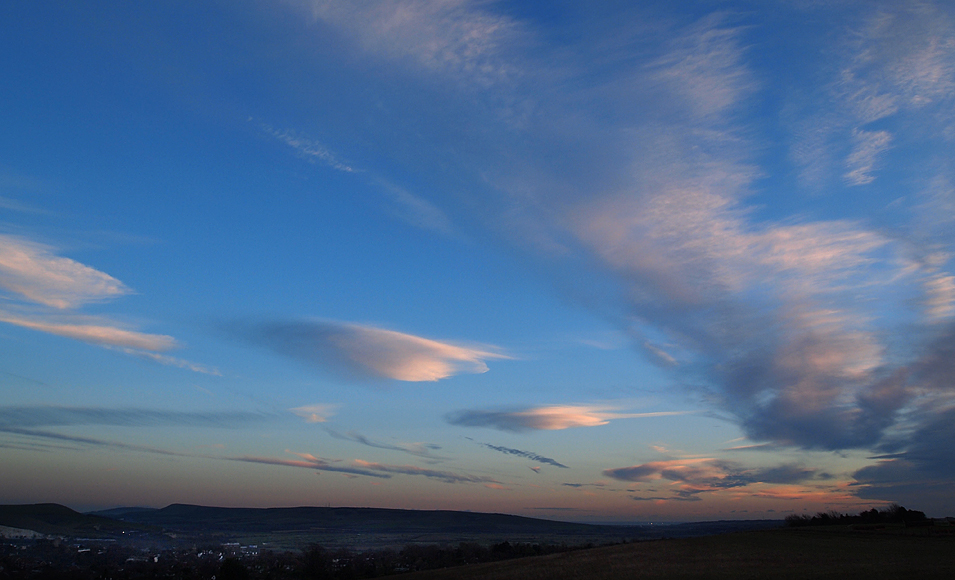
pixel 366 352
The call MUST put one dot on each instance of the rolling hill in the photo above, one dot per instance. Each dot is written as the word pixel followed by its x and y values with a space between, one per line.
pixel 57 520
pixel 782 554
pixel 341 527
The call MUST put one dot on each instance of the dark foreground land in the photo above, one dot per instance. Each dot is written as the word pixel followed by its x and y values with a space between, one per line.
pixel 52 541
pixel 783 554
pixel 779 554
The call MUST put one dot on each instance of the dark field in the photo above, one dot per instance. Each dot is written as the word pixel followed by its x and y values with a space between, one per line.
pixel 777 554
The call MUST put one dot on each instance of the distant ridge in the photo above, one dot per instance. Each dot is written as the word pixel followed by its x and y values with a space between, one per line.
pixel 185 517
pixel 377 526
pixel 118 513
pixel 349 527
pixel 58 520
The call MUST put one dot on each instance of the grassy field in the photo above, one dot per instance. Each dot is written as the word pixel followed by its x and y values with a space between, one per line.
pixel 777 554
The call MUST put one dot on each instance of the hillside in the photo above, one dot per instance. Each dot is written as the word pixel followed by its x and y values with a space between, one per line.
pixel 781 554
pixel 363 528
pixel 184 517
pixel 57 520
pixel 371 528
pixel 351 528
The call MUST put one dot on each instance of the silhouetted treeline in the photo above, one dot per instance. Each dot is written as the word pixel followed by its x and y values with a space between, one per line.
pixel 894 514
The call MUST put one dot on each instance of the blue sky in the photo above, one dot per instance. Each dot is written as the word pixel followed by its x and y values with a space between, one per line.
pixel 605 261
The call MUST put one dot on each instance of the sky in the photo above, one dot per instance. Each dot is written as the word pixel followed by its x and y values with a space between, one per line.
pixel 592 261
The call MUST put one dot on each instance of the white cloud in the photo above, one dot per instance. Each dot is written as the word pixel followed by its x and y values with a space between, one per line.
pixel 898 60
pixel 452 37
pixel 915 47
pixel 97 334
pixel 867 145
pixel 33 271
pixel 704 65
pixel 770 309
pixel 789 319
pixel 865 101
pixel 940 297
pixel 173 361
pixel 309 149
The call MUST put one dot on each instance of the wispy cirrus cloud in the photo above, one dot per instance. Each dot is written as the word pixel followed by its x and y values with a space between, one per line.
pixel 31 416
pixel 440 475
pixel 939 296
pixel 784 319
pixel 865 150
pixel 765 311
pixel 367 468
pixel 521 453
pixel 309 461
pixel 402 204
pixel 905 55
pixel 89 441
pixel 173 361
pixel 366 352
pixel 767 306
pixel 454 38
pixel 705 66
pixel 308 149
pixel 21 422
pixel 425 450
pixel 415 210
pixel 547 418
pixel 894 60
